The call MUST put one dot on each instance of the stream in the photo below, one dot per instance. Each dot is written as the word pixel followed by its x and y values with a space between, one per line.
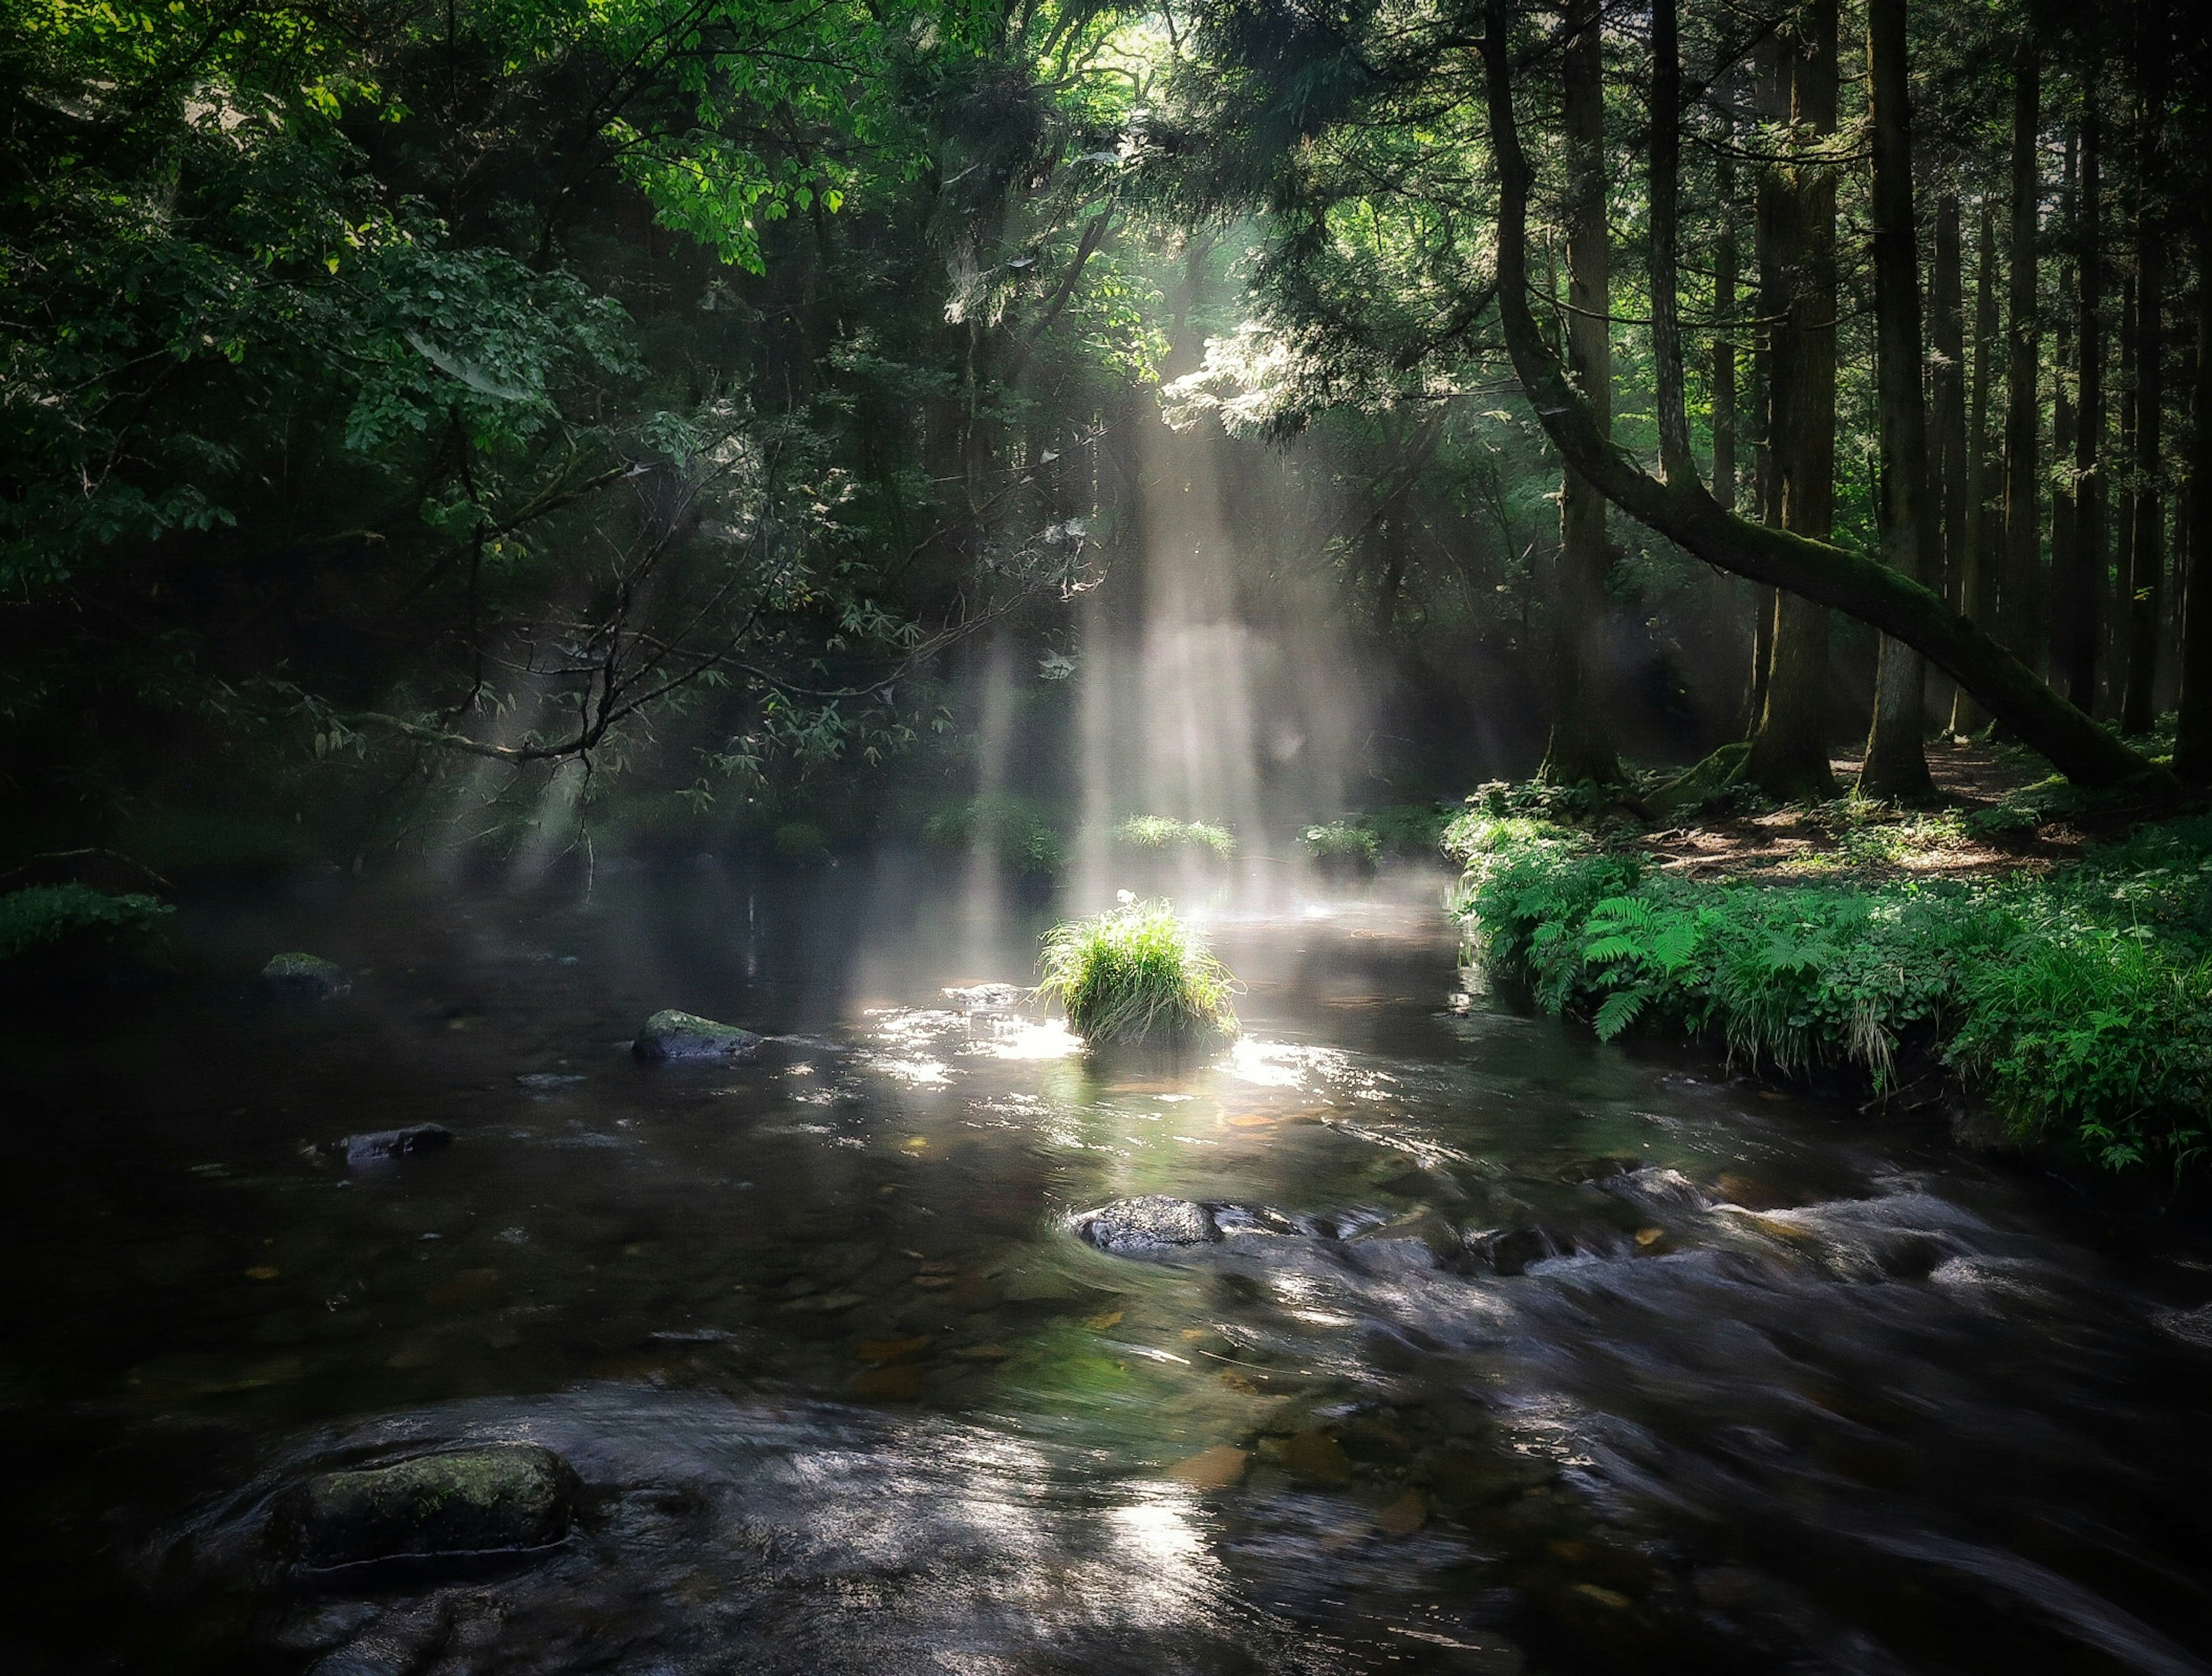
pixel 1517 1352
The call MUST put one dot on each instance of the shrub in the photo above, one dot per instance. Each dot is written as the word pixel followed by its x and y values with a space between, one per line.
pixel 1164 832
pixel 1137 975
pixel 1409 828
pixel 2080 1003
pixel 1011 829
pixel 72 927
pixel 1342 844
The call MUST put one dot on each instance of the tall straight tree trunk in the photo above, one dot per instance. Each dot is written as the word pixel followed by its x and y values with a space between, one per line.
pixel 1582 746
pixel 1896 764
pixel 1788 755
pixel 2019 595
pixel 2077 570
pixel 1726 258
pixel 2192 737
pixel 1769 103
pixel 2118 611
pixel 1967 716
pixel 1947 403
pixel 1674 465
pixel 2065 376
pixel 2147 579
pixel 1724 283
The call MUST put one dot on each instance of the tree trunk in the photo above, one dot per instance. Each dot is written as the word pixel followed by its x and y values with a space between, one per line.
pixel 1725 279
pixel 1675 464
pixel 1788 755
pixel 2119 611
pixel 2065 374
pixel 1948 390
pixel 1581 746
pixel 2020 586
pixel 2078 569
pixel 1769 103
pixel 1865 588
pixel 2146 578
pixel 2193 735
pixel 1967 716
pixel 1896 766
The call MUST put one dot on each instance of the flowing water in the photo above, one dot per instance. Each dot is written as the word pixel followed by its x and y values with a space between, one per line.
pixel 1519 1352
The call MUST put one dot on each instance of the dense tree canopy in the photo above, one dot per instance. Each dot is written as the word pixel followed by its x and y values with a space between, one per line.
pixel 676 388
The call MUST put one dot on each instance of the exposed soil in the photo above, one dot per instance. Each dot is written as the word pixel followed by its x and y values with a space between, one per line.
pixel 1832 840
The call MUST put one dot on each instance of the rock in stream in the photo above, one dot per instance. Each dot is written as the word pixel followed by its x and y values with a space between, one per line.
pixel 302 977
pixel 503 1499
pixel 669 1035
pixel 1132 1227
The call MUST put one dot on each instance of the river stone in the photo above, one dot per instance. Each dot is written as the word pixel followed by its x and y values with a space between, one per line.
pixel 986 997
pixel 669 1035
pixel 298 977
pixel 501 1498
pixel 1130 1226
pixel 395 1143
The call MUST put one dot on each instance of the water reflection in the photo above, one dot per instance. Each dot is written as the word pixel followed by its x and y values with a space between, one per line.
pixel 1512 1351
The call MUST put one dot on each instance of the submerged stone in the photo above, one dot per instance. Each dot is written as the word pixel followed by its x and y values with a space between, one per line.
pixel 669 1035
pixel 503 1498
pixel 1154 1223
pixel 301 977
pixel 395 1143
pixel 986 997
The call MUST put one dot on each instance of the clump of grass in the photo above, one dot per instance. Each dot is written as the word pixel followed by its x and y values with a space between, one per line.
pixel 1164 832
pixel 1011 829
pixel 1137 975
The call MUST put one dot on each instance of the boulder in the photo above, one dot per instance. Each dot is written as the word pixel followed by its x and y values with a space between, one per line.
pixel 298 977
pixel 1510 1251
pixel 669 1035
pixel 503 1499
pixel 395 1143
pixel 1130 1227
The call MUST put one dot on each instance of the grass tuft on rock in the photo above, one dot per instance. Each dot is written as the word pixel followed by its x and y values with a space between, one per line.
pixel 1137 976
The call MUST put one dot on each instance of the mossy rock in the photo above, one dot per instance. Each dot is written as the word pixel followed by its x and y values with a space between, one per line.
pixel 302 977
pixel 669 1035
pixel 503 1498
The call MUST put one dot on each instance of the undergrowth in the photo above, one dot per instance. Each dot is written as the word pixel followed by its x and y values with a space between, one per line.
pixel 1009 829
pixel 1138 975
pixel 75 926
pixel 1342 844
pixel 2078 1003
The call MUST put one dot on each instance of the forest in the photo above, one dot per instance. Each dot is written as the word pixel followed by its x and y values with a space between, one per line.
pixel 1448 762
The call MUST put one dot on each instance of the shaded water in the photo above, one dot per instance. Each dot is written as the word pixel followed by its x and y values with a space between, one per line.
pixel 1520 1353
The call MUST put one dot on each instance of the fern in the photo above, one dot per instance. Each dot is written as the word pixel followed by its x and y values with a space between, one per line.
pixel 2080 1003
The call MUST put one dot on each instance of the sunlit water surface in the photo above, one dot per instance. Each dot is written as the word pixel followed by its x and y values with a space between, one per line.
pixel 1747 1381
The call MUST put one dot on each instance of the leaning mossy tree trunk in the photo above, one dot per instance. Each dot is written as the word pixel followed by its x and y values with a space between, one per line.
pixel 1137 976
pixel 1861 586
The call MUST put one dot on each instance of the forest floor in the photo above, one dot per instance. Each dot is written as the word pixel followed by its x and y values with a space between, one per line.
pixel 1965 836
